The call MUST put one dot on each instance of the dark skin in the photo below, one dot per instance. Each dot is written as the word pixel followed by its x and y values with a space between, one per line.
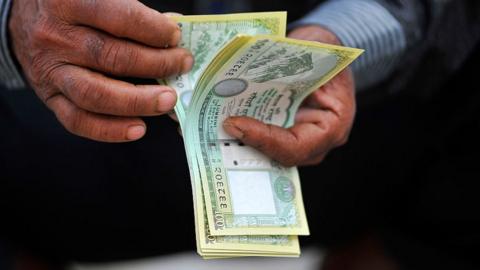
pixel 322 123
pixel 68 49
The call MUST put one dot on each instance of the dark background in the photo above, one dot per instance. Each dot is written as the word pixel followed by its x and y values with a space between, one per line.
pixel 409 174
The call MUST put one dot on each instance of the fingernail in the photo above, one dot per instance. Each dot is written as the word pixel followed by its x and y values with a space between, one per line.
pixel 136 132
pixel 187 64
pixel 166 101
pixel 233 130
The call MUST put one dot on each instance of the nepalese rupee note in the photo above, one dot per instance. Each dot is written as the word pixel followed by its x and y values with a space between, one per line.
pixel 266 78
pixel 205 35
pixel 211 247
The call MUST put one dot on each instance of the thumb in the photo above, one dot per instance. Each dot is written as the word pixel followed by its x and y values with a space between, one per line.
pixel 287 146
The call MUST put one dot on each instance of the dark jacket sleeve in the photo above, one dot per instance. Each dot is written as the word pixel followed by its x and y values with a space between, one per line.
pixel 441 35
pixel 9 73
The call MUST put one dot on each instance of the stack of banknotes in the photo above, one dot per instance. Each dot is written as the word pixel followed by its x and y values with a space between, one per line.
pixel 245 203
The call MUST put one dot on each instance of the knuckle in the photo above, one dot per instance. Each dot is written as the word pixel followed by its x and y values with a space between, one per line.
pixel 102 132
pixel 45 93
pixel 44 57
pixel 119 57
pixel 162 68
pixel 134 105
pixel 43 32
pixel 84 94
pixel 43 70
pixel 70 37
pixel 113 56
pixel 39 63
pixel 90 97
pixel 40 30
pixel 167 67
pixel 80 92
pixel 94 45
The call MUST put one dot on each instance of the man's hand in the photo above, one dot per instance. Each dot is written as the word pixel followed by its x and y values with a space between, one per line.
pixel 322 123
pixel 66 46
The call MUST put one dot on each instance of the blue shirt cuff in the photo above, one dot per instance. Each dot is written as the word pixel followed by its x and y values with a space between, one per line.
pixel 363 24
pixel 9 73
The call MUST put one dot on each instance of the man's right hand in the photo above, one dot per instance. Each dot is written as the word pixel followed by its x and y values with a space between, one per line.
pixel 66 46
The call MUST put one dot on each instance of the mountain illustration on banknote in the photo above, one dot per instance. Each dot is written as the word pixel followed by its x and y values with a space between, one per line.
pixel 279 64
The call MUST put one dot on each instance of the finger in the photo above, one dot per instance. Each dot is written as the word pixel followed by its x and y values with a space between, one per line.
pixel 318 117
pixel 332 97
pixel 300 34
pixel 297 145
pixel 102 52
pixel 95 126
pixel 94 92
pixel 127 19
pixel 321 100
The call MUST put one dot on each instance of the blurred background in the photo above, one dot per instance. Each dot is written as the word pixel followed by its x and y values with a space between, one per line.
pixel 402 194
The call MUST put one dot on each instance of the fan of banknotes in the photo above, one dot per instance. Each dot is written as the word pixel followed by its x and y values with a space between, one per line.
pixel 245 203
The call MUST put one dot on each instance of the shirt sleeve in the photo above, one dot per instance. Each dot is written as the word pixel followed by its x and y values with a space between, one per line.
pixel 10 76
pixel 365 24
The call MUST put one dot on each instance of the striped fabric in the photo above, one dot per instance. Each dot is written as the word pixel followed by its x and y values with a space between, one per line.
pixel 358 23
pixel 368 25
pixel 9 74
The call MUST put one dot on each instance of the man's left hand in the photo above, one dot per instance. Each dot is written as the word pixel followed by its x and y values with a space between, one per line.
pixel 322 123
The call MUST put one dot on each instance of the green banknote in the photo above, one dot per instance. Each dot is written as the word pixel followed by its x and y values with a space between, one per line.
pixel 205 35
pixel 240 245
pixel 212 247
pixel 266 78
pixel 246 204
